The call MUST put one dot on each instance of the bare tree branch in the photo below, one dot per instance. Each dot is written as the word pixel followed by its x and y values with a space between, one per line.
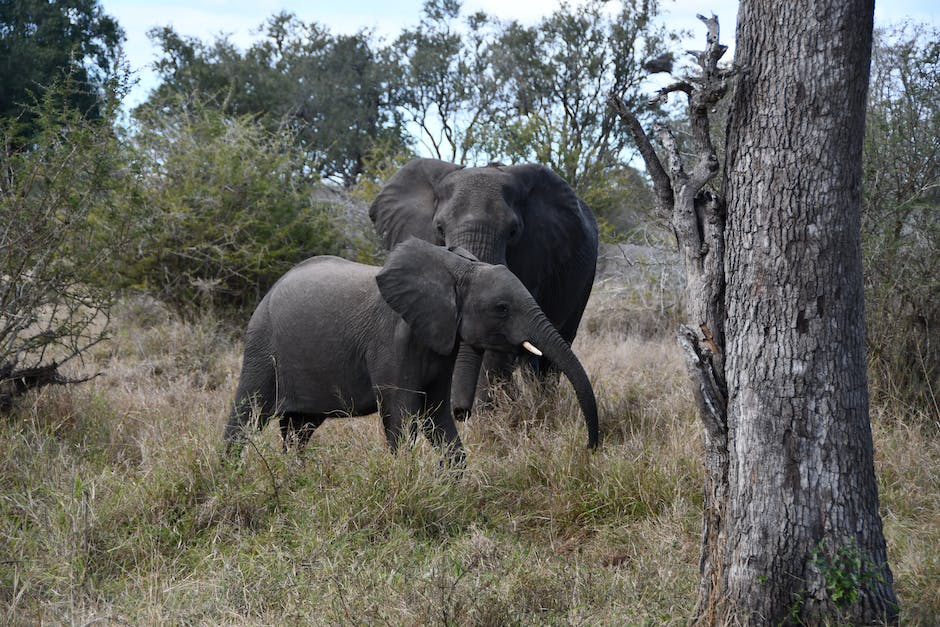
pixel 697 217
pixel 654 167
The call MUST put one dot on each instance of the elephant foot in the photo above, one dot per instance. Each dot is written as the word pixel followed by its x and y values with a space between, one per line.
pixel 455 462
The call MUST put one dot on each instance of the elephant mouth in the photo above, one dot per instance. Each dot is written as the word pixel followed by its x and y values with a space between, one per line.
pixel 498 343
pixel 502 344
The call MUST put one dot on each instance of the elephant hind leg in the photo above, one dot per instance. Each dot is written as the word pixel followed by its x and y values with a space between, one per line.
pixel 297 427
pixel 255 400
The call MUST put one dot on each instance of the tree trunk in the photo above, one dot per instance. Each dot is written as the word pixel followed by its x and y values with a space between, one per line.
pixel 775 332
pixel 801 536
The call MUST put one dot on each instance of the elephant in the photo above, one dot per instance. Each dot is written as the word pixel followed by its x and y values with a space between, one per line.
pixel 524 217
pixel 336 338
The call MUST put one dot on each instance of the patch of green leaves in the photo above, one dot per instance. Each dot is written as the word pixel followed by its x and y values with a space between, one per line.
pixel 846 572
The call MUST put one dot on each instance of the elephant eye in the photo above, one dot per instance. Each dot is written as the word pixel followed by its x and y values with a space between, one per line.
pixel 502 309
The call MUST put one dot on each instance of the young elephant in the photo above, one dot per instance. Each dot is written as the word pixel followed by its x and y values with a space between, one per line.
pixel 338 338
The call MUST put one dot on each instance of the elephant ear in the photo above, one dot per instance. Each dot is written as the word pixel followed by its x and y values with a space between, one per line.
pixel 405 207
pixel 546 193
pixel 418 283
pixel 560 230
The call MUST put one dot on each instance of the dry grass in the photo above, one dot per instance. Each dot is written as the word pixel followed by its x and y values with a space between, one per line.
pixel 115 506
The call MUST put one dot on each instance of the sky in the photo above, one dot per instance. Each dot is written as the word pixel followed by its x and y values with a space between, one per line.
pixel 240 19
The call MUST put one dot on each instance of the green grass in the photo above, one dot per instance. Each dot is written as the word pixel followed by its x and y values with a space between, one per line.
pixel 116 507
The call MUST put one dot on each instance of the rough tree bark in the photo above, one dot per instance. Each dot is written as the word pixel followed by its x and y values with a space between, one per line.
pixel 775 333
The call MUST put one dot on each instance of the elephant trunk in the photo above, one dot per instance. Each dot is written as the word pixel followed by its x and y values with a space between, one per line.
pixel 546 339
pixel 466 372
pixel 483 241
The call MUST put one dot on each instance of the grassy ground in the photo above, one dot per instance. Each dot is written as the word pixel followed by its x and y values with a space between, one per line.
pixel 114 505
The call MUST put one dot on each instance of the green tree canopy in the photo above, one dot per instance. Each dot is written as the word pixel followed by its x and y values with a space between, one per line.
pixel 559 74
pixel 464 88
pixel 474 89
pixel 328 88
pixel 444 84
pixel 41 41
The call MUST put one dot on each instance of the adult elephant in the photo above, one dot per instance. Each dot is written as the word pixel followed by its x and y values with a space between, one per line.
pixel 525 217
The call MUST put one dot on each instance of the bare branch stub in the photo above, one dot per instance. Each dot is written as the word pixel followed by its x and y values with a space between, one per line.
pixel 677 174
pixel 713 49
pixel 663 94
pixel 14 383
pixel 711 86
pixel 711 396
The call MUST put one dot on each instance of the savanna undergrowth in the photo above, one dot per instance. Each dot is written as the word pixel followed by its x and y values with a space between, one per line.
pixel 115 504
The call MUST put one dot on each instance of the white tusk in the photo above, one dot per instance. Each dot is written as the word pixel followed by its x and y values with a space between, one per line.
pixel 531 349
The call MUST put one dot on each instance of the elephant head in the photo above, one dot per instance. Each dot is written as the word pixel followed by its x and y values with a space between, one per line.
pixel 446 296
pixel 495 212
pixel 525 217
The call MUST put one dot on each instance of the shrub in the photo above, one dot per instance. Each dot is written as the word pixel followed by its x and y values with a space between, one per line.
pixel 58 222
pixel 225 207
pixel 901 216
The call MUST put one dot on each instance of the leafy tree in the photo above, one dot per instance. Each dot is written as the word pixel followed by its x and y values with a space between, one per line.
pixel 42 41
pixel 560 73
pixel 329 89
pixel 224 207
pixel 61 232
pixel 444 83
pixel 481 90
pixel 342 111
pixel 622 201
pixel 901 214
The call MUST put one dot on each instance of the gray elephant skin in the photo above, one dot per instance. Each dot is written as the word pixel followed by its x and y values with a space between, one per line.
pixel 525 217
pixel 338 338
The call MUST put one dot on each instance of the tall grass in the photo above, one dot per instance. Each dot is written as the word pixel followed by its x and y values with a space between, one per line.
pixel 115 505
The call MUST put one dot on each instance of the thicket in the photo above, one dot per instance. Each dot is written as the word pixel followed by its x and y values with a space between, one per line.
pixel 60 225
pixel 224 207
pixel 901 215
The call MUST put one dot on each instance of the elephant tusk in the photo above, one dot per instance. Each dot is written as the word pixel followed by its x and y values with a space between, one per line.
pixel 526 345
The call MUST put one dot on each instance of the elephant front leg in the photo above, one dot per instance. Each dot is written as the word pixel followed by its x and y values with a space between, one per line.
pixel 440 428
pixel 496 372
pixel 397 407
pixel 442 432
